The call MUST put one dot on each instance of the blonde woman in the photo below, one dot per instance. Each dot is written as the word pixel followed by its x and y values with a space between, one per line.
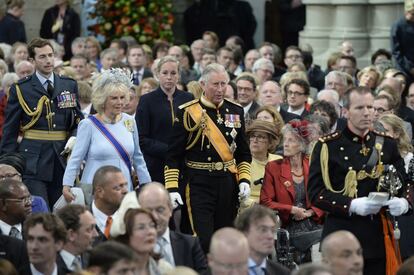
pixel 108 138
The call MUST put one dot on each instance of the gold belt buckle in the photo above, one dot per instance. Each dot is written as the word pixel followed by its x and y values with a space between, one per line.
pixel 218 166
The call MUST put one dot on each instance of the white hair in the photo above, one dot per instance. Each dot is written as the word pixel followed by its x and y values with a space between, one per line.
pixel 263 62
pixel 8 80
pixel 212 68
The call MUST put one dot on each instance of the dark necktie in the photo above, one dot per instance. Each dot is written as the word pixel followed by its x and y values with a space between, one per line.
pixel 15 233
pixel 50 88
pixel 135 79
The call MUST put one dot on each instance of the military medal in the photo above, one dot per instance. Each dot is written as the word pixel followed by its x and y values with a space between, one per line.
pixel 66 99
pixel 232 121
pixel 233 146
pixel 219 118
pixel 233 133
pixel 364 151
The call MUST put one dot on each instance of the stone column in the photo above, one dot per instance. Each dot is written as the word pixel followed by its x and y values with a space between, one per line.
pixel 258 7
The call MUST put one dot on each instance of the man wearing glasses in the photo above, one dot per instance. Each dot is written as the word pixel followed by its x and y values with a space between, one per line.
pixel 297 92
pixel 15 206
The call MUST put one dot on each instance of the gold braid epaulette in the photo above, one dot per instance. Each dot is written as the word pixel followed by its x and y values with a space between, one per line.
pixel 44 100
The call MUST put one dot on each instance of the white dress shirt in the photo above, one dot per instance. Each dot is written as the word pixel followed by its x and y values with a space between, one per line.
pixel 296 112
pixel 37 272
pixel 5 228
pixel 100 217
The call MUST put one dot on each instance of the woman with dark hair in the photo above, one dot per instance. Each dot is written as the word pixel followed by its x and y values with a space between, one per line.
pixel 325 109
pixel 284 189
pixel 141 235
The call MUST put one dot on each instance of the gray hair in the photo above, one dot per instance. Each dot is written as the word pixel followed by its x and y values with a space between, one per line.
pixel 336 74
pixel 106 83
pixel 166 59
pixel 109 51
pixel 8 80
pixel 263 62
pixel 3 66
pixel 212 68
pixel 328 92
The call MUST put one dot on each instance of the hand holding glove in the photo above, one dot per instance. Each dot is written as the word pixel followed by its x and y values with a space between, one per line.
pixel 244 192
pixel 364 206
pixel 176 200
pixel 69 145
pixel 397 206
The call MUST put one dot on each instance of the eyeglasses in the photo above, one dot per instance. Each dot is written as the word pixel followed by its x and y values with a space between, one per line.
pixel 24 201
pixel 259 138
pixel 294 93
pixel 380 110
pixel 8 176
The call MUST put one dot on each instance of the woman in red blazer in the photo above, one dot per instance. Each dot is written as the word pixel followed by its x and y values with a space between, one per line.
pixel 284 187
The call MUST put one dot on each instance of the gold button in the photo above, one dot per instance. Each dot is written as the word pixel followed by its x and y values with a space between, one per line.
pixel 350 168
pixel 209 159
pixel 208 146
pixel 345 158
pixel 227 133
pixel 341 148
pixel 51 101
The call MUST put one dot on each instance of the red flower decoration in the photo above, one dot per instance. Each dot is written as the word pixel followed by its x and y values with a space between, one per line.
pixel 301 127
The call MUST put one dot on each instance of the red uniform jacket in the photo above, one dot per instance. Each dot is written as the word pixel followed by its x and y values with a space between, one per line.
pixel 278 191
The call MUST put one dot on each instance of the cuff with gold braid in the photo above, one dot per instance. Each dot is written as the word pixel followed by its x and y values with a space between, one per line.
pixel 171 179
pixel 243 169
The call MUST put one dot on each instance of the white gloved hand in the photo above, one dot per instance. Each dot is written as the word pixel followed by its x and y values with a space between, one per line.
pixel 363 206
pixel 176 200
pixel 244 188
pixel 69 145
pixel 397 206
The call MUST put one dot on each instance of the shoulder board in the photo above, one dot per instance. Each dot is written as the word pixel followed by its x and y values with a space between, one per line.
pixel 182 106
pixel 384 134
pixel 332 136
pixel 232 102
pixel 66 77
pixel 23 80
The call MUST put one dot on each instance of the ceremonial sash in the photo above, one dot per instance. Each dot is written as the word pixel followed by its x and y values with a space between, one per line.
pixel 118 147
pixel 216 138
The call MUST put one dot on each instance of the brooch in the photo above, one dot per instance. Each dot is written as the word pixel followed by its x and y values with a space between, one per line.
pixel 287 184
pixel 129 124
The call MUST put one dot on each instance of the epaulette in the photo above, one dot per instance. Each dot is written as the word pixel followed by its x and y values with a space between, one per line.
pixel 331 136
pixel 381 133
pixel 235 103
pixel 182 106
pixel 24 79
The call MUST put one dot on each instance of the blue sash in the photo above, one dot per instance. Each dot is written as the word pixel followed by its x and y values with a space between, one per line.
pixel 118 147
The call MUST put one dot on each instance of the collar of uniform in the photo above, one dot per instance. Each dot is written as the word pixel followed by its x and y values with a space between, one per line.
pixel 356 138
pixel 210 104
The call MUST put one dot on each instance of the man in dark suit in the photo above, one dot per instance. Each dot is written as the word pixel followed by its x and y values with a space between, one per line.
pixel 15 206
pixel 45 235
pixel 297 92
pixel 176 248
pixel 137 60
pixel 109 188
pixel 258 224
pixel 12 28
pixel 14 251
pixel 45 107
pixel 246 95
pixel 81 232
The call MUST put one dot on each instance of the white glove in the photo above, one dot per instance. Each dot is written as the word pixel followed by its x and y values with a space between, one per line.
pixel 176 200
pixel 69 145
pixel 244 190
pixel 397 206
pixel 363 206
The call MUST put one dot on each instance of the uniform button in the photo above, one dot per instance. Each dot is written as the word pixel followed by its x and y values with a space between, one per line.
pixel 227 133
pixel 209 159
pixel 34 108
pixel 382 153
pixel 227 110
pixel 350 168
pixel 345 206
pixel 321 197
pixel 345 158
pixel 341 148
pixel 51 101
pixel 208 146
pixel 54 125
pixel 25 150
pixel 334 202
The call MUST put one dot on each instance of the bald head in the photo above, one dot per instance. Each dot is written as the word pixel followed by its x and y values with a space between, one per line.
pixel 228 249
pixel 342 252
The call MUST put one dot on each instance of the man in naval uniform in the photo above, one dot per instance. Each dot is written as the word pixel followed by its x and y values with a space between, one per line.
pixel 44 108
pixel 208 147
pixel 345 168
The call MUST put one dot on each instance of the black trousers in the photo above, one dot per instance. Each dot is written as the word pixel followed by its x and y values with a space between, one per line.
pixel 211 204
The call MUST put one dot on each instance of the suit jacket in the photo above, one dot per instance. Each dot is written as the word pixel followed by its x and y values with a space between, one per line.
pixel 14 250
pixel 275 268
pixel 251 113
pixel 62 265
pixel 278 191
pixel 154 119
pixel 40 155
pixel 147 73
pixel 187 251
pixel 12 30
pixel 70 29
pixel 286 116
